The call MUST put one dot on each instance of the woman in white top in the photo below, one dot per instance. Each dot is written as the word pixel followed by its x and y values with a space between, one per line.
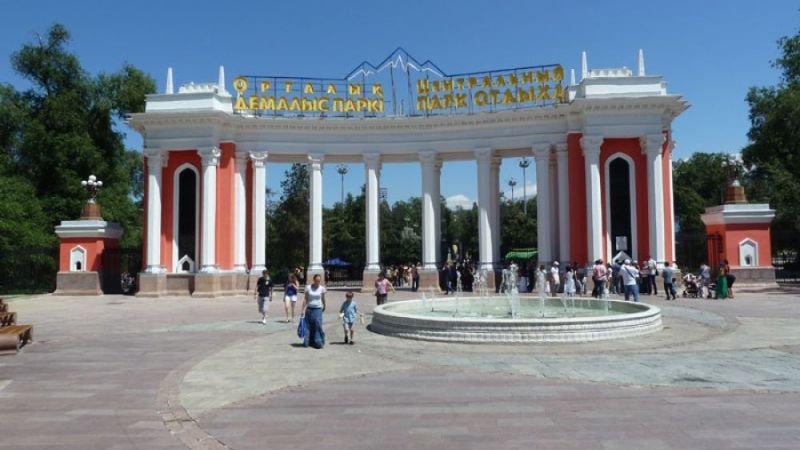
pixel 313 307
pixel 569 283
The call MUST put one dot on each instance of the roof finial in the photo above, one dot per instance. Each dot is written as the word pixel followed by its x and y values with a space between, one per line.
pixel 584 66
pixel 572 77
pixel 169 89
pixel 641 62
pixel 221 80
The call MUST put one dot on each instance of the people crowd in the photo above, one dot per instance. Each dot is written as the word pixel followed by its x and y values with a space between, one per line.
pixel 627 278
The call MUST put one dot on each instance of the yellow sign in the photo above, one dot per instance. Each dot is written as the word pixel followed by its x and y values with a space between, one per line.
pixel 401 86
pixel 507 89
pixel 298 96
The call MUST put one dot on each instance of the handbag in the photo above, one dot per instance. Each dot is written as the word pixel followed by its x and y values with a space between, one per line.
pixel 302 328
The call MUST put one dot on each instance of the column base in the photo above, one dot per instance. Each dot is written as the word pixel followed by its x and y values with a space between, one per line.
pixel 180 284
pixel 233 283
pixel 368 280
pixel 152 284
pixel 206 285
pixel 429 280
pixel 754 277
pixel 311 271
pixel 78 283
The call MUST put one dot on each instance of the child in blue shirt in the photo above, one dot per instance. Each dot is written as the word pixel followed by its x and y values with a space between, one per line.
pixel 348 313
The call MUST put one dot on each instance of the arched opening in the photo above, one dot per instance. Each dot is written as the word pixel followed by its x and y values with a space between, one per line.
pixel 748 253
pixel 186 218
pixel 620 198
pixel 77 259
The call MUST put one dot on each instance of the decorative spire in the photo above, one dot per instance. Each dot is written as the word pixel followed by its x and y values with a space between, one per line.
pixel 572 77
pixel 169 89
pixel 584 66
pixel 221 80
pixel 641 62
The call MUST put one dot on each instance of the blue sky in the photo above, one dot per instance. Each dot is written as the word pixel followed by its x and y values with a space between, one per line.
pixel 709 51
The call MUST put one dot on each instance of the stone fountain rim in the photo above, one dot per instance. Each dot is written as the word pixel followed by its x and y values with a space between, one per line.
pixel 648 310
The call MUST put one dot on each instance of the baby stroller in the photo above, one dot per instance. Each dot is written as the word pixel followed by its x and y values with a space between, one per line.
pixel 691 288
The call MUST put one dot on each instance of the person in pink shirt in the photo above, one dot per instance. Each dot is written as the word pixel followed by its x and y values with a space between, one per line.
pixel 599 276
pixel 382 288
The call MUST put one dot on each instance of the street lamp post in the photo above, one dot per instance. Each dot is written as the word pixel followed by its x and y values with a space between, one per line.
pixel 512 182
pixel 342 170
pixel 91 209
pixel 524 163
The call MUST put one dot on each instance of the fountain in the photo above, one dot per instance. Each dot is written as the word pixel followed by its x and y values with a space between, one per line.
pixel 514 318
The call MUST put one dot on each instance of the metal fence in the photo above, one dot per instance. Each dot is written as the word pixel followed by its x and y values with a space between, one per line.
pixel 787 268
pixel 28 270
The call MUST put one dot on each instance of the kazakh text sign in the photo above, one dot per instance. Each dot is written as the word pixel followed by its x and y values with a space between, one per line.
pixel 400 86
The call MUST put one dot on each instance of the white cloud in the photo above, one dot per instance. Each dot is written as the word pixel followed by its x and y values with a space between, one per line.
pixel 458 201
pixel 519 192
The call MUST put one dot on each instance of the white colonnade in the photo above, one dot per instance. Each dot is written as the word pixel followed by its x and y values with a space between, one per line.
pixel 210 160
pixel 372 166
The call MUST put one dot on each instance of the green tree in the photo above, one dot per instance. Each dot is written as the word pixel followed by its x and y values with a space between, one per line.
pixel 773 154
pixel 62 129
pixel 698 183
pixel 288 225
pixel 517 230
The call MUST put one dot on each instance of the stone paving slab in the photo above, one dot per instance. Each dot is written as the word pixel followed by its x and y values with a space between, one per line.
pixel 461 409
pixel 123 372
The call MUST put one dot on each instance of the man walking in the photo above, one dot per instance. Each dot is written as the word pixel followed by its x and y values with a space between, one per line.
pixel 669 281
pixel 629 276
pixel 651 264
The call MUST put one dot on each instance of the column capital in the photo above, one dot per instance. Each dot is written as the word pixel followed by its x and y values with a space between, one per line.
pixel 427 156
pixel 483 153
pixel 156 158
pixel 372 160
pixel 652 144
pixel 541 149
pixel 560 148
pixel 591 146
pixel 241 159
pixel 209 155
pixel 258 158
pixel 316 160
pixel 496 162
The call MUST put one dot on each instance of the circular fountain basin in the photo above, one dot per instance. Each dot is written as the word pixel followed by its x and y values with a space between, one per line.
pixel 476 320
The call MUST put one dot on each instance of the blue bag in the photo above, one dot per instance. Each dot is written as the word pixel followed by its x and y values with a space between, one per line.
pixel 302 328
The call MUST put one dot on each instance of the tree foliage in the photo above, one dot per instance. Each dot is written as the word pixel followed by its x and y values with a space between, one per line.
pixel 60 130
pixel 699 183
pixel 344 231
pixel 773 154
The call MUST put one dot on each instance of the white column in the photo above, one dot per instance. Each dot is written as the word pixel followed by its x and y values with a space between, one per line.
pixel 427 161
pixel 240 225
pixel 652 146
pixel 543 218
pixel 594 228
pixel 315 211
pixel 494 207
pixel 437 209
pixel 563 203
pixel 155 164
pixel 372 165
pixel 208 259
pixel 485 245
pixel 259 217
pixel 671 196
pixel 554 221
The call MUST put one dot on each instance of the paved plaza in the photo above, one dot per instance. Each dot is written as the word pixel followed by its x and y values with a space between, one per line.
pixel 117 372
